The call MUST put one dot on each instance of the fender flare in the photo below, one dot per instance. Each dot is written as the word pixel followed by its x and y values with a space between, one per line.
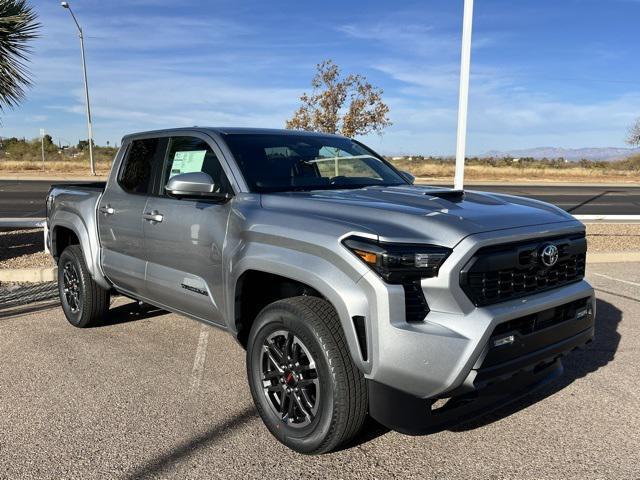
pixel 90 252
pixel 335 285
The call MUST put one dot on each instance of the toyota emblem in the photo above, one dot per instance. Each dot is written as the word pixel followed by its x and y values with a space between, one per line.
pixel 549 255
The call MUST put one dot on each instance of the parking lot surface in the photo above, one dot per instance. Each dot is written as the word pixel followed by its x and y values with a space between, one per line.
pixel 154 395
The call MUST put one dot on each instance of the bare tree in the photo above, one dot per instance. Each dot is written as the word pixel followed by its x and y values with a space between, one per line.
pixel 350 106
pixel 634 134
pixel 18 26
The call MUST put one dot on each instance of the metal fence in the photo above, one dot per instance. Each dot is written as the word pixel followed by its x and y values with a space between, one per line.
pixel 25 294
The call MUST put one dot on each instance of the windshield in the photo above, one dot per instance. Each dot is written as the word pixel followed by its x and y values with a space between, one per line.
pixel 278 163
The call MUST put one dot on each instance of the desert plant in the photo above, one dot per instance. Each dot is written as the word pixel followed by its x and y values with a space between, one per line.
pixel 634 134
pixel 350 105
pixel 18 27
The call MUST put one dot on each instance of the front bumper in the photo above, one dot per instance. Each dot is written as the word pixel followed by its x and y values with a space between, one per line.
pixel 443 354
pixel 516 360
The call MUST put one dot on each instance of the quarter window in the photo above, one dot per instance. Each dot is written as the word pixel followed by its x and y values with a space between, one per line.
pixel 136 175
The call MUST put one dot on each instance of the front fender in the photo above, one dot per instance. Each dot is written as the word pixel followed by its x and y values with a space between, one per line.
pixel 338 286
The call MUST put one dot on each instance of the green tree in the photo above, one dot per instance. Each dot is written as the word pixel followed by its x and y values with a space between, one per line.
pixel 84 144
pixel 350 105
pixel 18 27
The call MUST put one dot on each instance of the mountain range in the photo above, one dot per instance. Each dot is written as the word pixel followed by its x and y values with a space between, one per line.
pixel 572 154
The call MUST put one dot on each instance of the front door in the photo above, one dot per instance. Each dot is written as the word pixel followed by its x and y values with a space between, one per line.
pixel 120 222
pixel 184 238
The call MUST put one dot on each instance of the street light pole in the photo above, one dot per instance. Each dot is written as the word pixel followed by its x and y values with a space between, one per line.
pixel 86 87
pixel 463 102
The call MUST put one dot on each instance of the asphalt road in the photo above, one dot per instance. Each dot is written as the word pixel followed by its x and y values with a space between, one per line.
pixel 164 397
pixel 26 198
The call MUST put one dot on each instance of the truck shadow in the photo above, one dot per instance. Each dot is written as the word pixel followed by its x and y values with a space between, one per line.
pixel 130 312
pixel 577 364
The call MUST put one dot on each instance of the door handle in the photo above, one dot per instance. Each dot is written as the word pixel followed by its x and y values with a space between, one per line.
pixel 107 210
pixel 153 216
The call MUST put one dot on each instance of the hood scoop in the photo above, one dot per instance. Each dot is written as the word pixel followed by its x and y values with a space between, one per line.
pixel 447 194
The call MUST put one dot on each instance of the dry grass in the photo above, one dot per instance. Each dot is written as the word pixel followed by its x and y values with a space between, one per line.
pixel 75 167
pixel 445 171
pixel 426 170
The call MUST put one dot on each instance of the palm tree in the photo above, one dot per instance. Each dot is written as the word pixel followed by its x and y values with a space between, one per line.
pixel 18 26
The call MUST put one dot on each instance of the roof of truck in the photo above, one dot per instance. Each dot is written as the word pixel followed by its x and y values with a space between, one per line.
pixel 232 131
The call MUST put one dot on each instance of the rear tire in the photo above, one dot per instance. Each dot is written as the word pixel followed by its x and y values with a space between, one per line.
pixel 83 301
pixel 297 355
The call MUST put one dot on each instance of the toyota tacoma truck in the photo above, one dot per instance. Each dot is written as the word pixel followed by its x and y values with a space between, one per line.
pixel 354 292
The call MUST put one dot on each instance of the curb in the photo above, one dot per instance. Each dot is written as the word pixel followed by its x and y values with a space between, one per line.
pixel 613 257
pixel 29 275
pixel 533 183
pixel 22 222
pixel 608 218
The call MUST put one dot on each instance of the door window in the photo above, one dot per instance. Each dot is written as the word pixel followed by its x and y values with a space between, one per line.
pixel 192 154
pixel 136 175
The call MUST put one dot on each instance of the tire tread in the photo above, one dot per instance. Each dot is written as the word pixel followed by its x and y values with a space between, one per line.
pixel 95 299
pixel 348 423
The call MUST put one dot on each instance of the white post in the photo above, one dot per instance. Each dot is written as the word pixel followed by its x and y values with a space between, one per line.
pixel 86 97
pixel 463 102
pixel 86 87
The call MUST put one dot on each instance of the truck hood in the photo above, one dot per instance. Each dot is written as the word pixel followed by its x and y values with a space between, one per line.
pixel 416 213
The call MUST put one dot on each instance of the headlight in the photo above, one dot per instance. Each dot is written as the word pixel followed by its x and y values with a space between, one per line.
pixel 399 262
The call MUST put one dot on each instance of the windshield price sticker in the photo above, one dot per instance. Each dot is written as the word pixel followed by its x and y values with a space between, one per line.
pixel 187 162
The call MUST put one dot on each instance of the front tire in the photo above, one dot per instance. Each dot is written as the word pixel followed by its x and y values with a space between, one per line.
pixel 83 301
pixel 304 384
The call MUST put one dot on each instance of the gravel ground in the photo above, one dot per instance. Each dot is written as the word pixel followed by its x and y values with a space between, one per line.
pixel 613 237
pixel 128 400
pixel 23 249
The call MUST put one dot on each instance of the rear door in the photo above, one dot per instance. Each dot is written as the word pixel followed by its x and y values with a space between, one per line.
pixel 184 248
pixel 120 211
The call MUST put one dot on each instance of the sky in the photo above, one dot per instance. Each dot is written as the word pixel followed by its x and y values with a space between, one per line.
pixel 544 72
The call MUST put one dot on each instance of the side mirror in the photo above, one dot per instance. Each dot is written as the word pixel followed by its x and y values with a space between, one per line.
pixel 194 185
pixel 410 178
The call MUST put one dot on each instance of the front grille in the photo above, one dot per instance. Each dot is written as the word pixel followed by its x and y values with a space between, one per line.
pixel 505 272
pixel 541 320
pixel 416 307
pixel 536 332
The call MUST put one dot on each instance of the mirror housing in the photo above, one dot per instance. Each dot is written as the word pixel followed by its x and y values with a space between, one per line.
pixel 410 178
pixel 194 185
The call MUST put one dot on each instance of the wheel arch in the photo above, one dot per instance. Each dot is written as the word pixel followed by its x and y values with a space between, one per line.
pixel 311 276
pixel 69 229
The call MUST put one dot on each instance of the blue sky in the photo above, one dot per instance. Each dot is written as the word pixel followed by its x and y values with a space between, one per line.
pixel 545 72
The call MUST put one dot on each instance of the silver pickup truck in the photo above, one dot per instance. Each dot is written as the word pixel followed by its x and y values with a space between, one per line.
pixel 353 291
